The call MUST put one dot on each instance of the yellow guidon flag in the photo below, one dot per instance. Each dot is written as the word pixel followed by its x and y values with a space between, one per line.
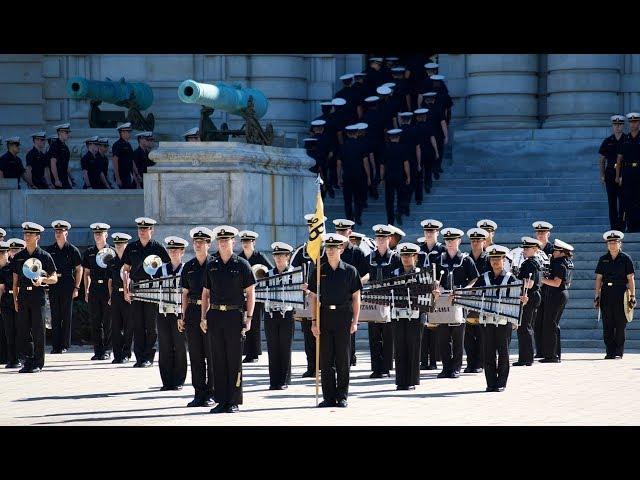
pixel 316 229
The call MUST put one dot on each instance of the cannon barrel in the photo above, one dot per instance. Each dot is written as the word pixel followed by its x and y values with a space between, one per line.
pixel 138 95
pixel 221 96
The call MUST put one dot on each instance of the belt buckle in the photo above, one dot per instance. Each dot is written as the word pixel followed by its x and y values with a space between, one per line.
pixel 223 308
pixel 11 292
pixel 100 281
pixel 58 274
pixel 610 284
pixel 634 164
pixel 199 302
pixel 29 288
pixel 332 307
pixel 121 289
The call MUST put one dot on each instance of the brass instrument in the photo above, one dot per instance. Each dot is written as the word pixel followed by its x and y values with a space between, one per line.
pixel 105 256
pixel 32 269
pixel 260 271
pixel 164 291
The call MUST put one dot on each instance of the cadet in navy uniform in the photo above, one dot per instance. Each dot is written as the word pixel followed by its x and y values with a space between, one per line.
pixel 497 337
pixel 37 164
pixel 382 263
pixel 401 92
pixel 395 171
pixel 459 271
pixel 373 117
pixel 144 314
pixel 172 344
pixel 141 154
pixel 542 231
pixel 473 342
pixel 555 299
pixel 200 356
pixel 66 257
pixel 530 273
pixel 103 157
pixel 375 75
pixel 410 137
pixel 124 167
pixel 226 315
pixel 440 129
pixel 350 95
pixel 29 299
pixel 279 324
pixel 301 259
pixel 59 155
pixel 7 306
pixel 340 287
pixel 7 337
pixel 628 173
pixel 608 156
pixel 360 91
pixel 10 164
pixel 430 249
pixel 92 167
pixel 354 174
pixel 407 327
pixel 121 321
pixel 253 338
pixel 96 293
pixel 428 147
pixel 614 275
pixel 355 257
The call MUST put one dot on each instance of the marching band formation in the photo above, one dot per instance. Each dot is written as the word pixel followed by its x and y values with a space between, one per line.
pixel 423 302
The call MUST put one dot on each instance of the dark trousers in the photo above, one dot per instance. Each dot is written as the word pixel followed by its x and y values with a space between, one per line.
pixel 614 196
pixel 473 345
pixel 353 348
pixel 525 330
pixel 200 355
pixel 428 165
pixel 226 343
pixel 450 345
pixel 496 341
pixel 9 320
pixel 394 191
pixel 415 188
pixel 121 326
pixel 61 303
pixel 31 331
pixel 278 329
pixel 554 303
pixel 127 182
pixel 145 333
pixel 614 321
pixel 631 200
pixel 381 347
pixel 355 194
pixel 253 339
pixel 440 143
pixel 3 342
pixel 407 336
pixel 335 346
pixel 309 344
pixel 429 347
pixel 99 312
pixel 539 320
pixel 172 351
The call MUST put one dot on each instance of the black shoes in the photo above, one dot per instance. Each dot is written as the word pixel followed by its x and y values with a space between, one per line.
pixel 550 360
pixel 117 360
pixel 13 365
pixel 164 388
pixel 443 374
pixel 375 375
pixel 27 369
pixel 309 374
pixel 220 408
pixel 386 374
pixel 146 364
pixel 402 387
pixel 411 387
pixel 200 402
pixel 55 351
pixel 342 404
pixel 610 357
pixel 491 389
pixel 137 365
pixel 248 359
pixel 454 374
pixel 326 404
pixel 500 389
pixel 430 366
pixel 106 356
pixel 538 356
pixel 97 357
pixel 476 370
pixel 278 387
pixel 521 364
pixel 468 370
pixel 232 409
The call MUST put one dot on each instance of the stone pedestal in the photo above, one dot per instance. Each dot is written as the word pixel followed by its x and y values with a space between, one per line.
pixel 265 189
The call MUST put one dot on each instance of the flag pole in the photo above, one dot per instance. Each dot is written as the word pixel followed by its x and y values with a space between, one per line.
pixel 318 264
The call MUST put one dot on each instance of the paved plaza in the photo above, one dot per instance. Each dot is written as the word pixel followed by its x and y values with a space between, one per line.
pixel 584 389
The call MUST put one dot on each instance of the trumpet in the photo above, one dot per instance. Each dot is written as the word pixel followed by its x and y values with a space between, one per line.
pixel 151 264
pixel 105 256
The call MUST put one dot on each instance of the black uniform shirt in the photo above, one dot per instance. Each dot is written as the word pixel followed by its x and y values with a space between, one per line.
pixel 11 165
pixel 373 80
pixel 99 276
pixel 426 257
pixel 352 153
pixel 548 249
pixel 382 266
pixel 61 153
pixel 559 269
pixel 93 166
pixel 355 257
pixel 257 258
pixel 141 157
pixel 113 268
pixel 227 281
pixel 376 123
pixel 192 277
pixel 424 130
pixel 66 260
pixel 482 262
pixel 386 109
pixel 47 265
pixel 122 149
pixel 615 271
pixel 399 96
pixel 463 268
pixel 336 286
pixel 135 254
pixel 6 279
pixel 494 280
pixel 629 148
pixel 103 161
pixel 410 137
pixel 609 150
pixel 37 160
pixel 393 158
pixel 530 266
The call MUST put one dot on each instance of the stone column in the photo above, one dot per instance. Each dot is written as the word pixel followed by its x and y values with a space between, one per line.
pixel 501 91
pixel 454 68
pixel 582 90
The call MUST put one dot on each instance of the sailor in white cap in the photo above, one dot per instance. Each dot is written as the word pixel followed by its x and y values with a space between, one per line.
pixel 428 146
pixel 103 158
pixel 354 174
pixel 407 326
pixel 555 299
pixel 8 316
pixel 459 271
pixel 349 94
pixel 124 166
pixel 489 226
pixel 376 117
pixel 11 165
pixel 29 298
pixel 141 154
pixel 410 138
pixel 395 171
pixel 339 290
pixel 121 323
pixel 144 314
pixel 542 231
pixel 279 325
pixel 92 167
pixel 608 156
pixel 396 237
pixel 172 347
pixel 375 75
pixel 59 156
pixel 192 135
pixel 96 293
pixel 228 300
pixel 615 293
pixel 15 246
pixel 497 337
pixel 192 282
pixel 37 162
pixel 67 259
pixel 628 173
pixel 253 340
pixel 402 90
pixel 437 117
pixel 382 262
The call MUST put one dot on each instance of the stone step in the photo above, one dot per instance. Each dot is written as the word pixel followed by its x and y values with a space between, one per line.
pixel 445 188
pixel 527 199
pixel 451 178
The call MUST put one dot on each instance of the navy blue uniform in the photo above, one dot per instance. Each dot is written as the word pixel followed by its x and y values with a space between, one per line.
pixel 99 309
pixel 410 137
pixel 473 335
pixel 395 186
pixel 353 154
pixel 555 299
pixel 122 149
pixel 609 150
pixel 121 321
pixel 429 349
pixel 8 316
pixel 11 165
pixel 629 148
pixel 59 150
pixel 529 311
pixel 142 160
pixel 37 160
pixel 94 167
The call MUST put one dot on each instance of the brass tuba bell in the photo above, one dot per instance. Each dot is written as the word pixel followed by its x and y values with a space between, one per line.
pixel 105 256
pixel 259 270
pixel 151 264
pixel 32 269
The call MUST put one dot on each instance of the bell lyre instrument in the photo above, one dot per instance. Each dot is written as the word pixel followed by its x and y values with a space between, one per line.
pixel 166 291
pixel 282 291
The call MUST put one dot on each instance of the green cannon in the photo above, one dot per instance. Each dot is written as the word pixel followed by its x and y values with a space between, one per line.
pixel 135 96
